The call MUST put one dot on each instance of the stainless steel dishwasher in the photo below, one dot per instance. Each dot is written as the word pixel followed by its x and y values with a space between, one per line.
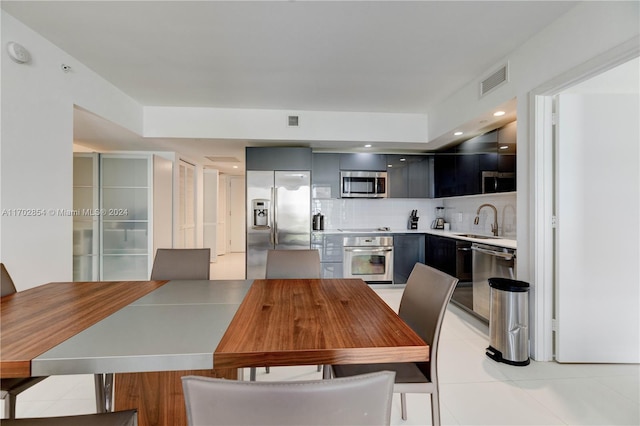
pixel 489 262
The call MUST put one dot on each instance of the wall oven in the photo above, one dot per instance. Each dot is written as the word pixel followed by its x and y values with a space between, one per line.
pixel 363 184
pixel 369 258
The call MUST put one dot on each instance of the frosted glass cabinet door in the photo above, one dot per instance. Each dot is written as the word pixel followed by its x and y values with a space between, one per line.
pixel 125 203
pixel 85 268
pixel 127 267
pixel 125 237
pixel 111 201
pixel 126 172
pixel 125 207
pixel 85 225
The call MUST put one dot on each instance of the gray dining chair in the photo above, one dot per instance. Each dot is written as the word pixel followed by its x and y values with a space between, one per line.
pixel 422 306
pixel 13 386
pixel 181 264
pixel 291 264
pixel 358 400
pixel 116 418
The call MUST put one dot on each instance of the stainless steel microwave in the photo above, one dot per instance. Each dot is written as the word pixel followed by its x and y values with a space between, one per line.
pixel 498 182
pixel 363 184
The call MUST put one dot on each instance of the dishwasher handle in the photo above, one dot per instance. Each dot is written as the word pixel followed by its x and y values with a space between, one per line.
pixel 506 256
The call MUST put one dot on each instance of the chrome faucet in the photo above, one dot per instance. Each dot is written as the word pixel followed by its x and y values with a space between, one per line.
pixel 494 225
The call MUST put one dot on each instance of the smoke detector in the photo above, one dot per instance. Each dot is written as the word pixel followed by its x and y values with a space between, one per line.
pixel 18 53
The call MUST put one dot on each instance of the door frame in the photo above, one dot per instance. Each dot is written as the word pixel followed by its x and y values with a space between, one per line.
pixel 542 190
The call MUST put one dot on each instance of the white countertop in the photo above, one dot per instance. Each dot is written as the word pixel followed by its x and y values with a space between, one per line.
pixel 491 240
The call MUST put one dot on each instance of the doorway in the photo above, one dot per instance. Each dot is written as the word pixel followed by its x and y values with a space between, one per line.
pixel 586 264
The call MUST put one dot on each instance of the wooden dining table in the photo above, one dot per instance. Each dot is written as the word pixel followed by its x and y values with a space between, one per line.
pixel 151 333
pixel 316 321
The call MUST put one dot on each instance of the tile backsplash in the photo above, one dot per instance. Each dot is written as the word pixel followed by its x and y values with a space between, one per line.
pixel 394 213
pixel 461 211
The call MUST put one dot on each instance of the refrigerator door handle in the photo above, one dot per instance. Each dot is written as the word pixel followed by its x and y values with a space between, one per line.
pixel 271 228
pixel 274 197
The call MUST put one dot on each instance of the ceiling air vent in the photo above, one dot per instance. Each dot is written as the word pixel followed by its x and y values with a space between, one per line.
pixel 293 121
pixel 494 80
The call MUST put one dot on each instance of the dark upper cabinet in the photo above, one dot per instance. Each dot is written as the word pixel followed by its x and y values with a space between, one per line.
pixel 325 175
pixel 484 164
pixel 507 148
pixel 278 158
pixel 365 162
pixel 409 176
pixel 444 175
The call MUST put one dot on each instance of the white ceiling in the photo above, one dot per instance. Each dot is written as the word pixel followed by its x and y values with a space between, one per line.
pixel 378 56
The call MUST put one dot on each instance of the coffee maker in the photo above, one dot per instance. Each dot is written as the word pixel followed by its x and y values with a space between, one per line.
pixel 439 222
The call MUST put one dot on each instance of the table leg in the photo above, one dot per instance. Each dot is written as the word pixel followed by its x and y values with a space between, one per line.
pixel 326 372
pixel 104 392
pixel 158 395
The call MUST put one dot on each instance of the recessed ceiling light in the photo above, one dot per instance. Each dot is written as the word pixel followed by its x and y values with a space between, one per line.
pixel 403 159
pixel 457 133
pixel 504 147
pixel 499 113
pixel 235 167
pixel 368 145
pixel 389 165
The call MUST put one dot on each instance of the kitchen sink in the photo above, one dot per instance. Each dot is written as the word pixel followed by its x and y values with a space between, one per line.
pixel 479 237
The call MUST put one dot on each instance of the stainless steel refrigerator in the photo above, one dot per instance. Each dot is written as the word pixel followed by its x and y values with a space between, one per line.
pixel 278 215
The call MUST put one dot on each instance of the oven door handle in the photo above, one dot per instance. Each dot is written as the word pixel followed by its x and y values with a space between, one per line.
pixel 375 250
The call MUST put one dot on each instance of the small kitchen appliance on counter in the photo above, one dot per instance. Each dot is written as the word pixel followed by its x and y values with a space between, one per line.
pixel 439 222
pixel 318 222
pixel 413 220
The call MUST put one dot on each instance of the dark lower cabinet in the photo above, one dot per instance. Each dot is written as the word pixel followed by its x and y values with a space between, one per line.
pixel 453 257
pixel 407 250
pixel 441 254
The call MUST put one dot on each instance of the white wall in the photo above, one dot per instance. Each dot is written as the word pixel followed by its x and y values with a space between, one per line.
pixel 272 125
pixel 37 152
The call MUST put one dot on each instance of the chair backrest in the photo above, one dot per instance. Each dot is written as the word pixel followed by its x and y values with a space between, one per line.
pixel 6 283
pixel 115 418
pixel 181 264
pixel 356 400
pixel 293 264
pixel 423 305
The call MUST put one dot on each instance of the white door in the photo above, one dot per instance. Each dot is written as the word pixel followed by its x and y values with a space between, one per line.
pixel 597 251
pixel 237 220
pixel 210 211
pixel 221 239
pixel 186 206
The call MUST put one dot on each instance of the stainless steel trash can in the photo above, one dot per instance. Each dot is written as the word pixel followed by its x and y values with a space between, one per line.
pixel 509 321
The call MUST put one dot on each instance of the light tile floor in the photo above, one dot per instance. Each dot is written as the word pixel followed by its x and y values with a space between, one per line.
pixel 474 389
